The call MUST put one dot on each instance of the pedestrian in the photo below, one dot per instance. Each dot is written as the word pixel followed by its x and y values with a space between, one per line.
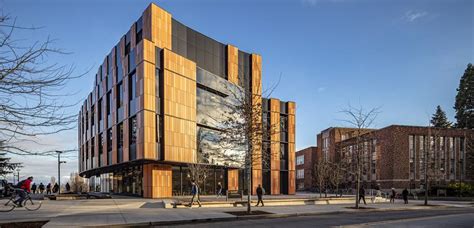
pixel 55 188
pixel 41 188
pixel 68 187
pixel 405 195
pixel 195 193
pixel 260 192
pixel 362 194
pixel 48 189
pixel 219 189
pixel 33 188
pixel 392 196
pixel 22 189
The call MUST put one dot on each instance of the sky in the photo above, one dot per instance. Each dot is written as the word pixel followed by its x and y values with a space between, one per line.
pixel 404 56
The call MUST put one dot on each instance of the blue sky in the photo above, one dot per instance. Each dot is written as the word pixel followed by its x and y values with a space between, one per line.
pixel 404 56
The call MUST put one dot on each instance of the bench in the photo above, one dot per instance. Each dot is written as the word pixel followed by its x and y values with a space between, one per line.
pixel 235 194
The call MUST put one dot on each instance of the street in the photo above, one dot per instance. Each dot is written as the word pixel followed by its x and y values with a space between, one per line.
pixel 444 217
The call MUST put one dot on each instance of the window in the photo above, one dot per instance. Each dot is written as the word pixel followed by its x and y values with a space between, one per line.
pixel 132 87
pixel 109 140
pixel 109 147
pixel 300 160
pixel 283 156
pixel 132 153
pixel 87 120
pixel 421 151
pixel 101 148
pixel 99 109
pixel 120 143
pixel 119 95
pixel 120 103
pixel 92 153
pixel 139 28
pixel 283 123
pixel 133 130
pixel 411 149
pixel 300 174
pixel 92 120
pixel 109 103
pixel 120 136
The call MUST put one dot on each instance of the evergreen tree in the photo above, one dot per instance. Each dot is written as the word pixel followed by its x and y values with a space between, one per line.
pixel 439 119
pixel 464 105
pixel 6 166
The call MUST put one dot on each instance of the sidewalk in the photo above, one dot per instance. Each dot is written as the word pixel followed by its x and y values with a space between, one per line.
pixel 108 212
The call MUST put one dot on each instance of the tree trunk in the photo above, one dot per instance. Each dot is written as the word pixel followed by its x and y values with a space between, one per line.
pixel 358 175
pixel 249 191
pixel 320 190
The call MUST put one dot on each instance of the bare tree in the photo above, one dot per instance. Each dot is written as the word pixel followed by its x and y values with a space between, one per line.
pixel 199 173
pixel 337 173
pixel 30 89
pixel 78 183
pixel 360 119
pixel 241 132
pixel 322 171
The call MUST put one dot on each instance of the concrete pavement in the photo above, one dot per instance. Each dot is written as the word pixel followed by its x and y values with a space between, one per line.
pixel 438 217
pixel 143 211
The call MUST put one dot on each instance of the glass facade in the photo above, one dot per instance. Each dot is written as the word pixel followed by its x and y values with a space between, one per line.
pixel 214 97
pixel 181 180
pixel 126 180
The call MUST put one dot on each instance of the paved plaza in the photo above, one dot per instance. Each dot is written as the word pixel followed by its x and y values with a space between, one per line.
pixel 123 210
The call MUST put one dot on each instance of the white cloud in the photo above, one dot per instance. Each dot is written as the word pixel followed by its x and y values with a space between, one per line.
pixel 321 89
pixel 412 15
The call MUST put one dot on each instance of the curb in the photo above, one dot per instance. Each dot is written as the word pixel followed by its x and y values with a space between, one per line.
pixel 267 216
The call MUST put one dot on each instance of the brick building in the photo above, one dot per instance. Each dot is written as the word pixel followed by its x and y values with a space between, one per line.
pixel 394 156
pixel 327 140
pixel 305 160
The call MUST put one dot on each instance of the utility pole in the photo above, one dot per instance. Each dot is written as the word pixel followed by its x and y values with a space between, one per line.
pixel 17 176
pixel 59 170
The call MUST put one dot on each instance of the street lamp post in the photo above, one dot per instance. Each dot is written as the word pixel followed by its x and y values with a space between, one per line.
pixel 59 170
pixel 17 176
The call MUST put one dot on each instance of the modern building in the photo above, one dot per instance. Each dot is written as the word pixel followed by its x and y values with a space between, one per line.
pixel 158 91
pixel 305 161
pixel 398 156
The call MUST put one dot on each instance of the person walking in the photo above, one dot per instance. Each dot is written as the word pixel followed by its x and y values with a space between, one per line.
pixel 55 188
pixel 362 194
pixel 48 189
pixel 195 193
pixel 405 195
pixel 33 188
pixel 392 196
pixel 260 192
pixel 219 189
pixel 41 188
pixel 68 187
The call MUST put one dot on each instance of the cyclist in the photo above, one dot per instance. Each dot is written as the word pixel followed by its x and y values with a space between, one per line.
pixel 21 190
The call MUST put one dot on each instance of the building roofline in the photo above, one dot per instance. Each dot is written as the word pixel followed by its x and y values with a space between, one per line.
pixel 309 147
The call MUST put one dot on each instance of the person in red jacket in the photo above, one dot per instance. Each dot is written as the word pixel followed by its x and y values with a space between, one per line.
pixel 22 188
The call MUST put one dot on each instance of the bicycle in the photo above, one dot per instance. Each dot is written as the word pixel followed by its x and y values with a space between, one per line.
pixel 7 203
